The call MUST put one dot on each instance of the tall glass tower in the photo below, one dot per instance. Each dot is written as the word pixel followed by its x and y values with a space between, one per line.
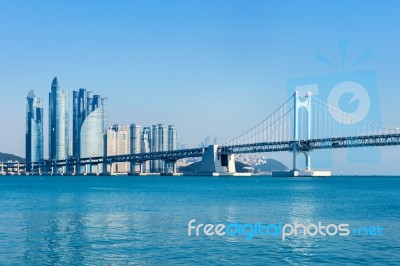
pixel 135 143
pixel 135 138
pixel 154 164
pixel 34 128
pixel 161 138
pixel 89 124
pixel 145 147
pixel 58 122
pixel 172 138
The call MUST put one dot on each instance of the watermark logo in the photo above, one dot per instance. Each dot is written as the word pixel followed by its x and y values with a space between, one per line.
pixel 358 98
pixel 284 231
pixel 354 92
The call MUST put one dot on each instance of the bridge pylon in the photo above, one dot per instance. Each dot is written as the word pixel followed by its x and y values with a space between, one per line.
pixel 301 103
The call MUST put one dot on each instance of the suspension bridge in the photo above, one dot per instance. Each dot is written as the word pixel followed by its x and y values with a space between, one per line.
pixel 300 125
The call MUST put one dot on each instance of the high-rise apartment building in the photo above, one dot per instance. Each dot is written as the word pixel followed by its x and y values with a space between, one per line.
pixel 135 143
pixel 118 143
pixel 163 138
pixel 135 138
pixel 145 147
pixel 58 122
pixel 154 164
pixel 172 138
pixel 89 124
pixel 34 128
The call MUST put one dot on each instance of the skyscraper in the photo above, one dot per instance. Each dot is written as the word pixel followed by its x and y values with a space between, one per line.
pixel 135 138
pixel 172 138
pixel 118 143
pixel 89 124
pixel 58 122
pixel 34 128
pixel 159 137
pixel 163 138
pixel 135 143
pixel 154 164
pixel 145 147
pixel 123 146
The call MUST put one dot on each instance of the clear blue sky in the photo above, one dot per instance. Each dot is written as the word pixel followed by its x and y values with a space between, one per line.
pixel 210 67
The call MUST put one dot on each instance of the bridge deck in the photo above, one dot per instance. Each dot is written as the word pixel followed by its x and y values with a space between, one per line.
pixel 314 144
pixel 301 145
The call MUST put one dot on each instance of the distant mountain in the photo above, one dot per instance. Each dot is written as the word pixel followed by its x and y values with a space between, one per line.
pixel 270 165
pixel 191 168
pixel 4 157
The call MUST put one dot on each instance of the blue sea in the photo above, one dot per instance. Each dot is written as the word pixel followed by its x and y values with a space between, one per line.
pixel 143 220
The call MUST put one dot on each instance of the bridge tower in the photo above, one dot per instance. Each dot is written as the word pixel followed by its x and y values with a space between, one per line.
pixel 299 103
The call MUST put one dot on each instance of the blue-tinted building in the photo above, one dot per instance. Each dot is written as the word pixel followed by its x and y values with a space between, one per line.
pixel 34 128
pixel 58 122
pixel 162 138
pixel 172 138
pixel 89 124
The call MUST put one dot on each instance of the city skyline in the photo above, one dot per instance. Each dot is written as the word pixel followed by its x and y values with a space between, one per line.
pixel 206 61
pixel 91 136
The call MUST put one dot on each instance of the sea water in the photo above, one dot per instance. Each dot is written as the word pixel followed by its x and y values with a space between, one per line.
pixel 119 220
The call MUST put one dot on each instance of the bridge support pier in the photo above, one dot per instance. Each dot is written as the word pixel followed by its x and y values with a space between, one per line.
pixel 135 168
pixel 170 167
pixel 308 160
pixel 146 167
pixel 104 167
pixel 213 163
pixel 78 167
pixel 90 166
pixel 29 168
pixel 111 169
pixel 307 155
pixel 140 168
pixel 174 167
pixel 294 151
pixel 53 167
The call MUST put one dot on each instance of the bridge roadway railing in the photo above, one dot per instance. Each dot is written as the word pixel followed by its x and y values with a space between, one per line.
pixel 314 144
pixel 350 142
pixel 162 155
pixel 133 158
pixel 256 147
